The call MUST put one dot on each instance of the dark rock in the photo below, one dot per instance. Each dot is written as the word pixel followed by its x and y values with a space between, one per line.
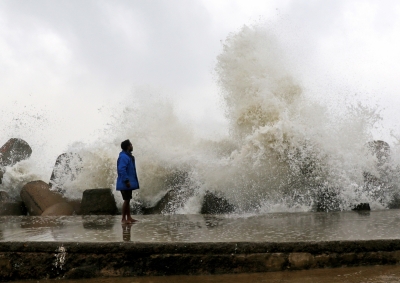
pixel 361 207
pixel 163 204
pixel 38 197
pixel 4 196
pixel 13 151
pixel 12 208
pixel 66 169
pixel 136 207
pixel 179 191
pixel 98 202
pixel 214 204
pixel 58 209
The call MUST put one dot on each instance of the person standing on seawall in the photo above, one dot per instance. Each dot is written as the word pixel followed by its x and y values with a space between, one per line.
pixel 127 180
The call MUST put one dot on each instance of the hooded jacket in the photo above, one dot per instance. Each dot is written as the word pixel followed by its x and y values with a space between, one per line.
pixel 126 172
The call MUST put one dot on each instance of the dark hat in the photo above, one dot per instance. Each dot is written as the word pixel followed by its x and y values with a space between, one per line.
pixel 125 144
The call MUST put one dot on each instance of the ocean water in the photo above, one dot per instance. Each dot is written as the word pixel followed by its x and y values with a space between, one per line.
pixel 285 149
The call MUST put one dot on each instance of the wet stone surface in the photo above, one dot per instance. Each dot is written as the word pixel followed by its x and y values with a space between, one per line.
pixel 277 227
pixel 375 274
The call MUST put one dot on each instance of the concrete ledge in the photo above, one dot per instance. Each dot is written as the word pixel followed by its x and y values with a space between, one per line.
pixel 39 260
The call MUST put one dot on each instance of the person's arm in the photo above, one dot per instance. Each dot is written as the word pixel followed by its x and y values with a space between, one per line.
pixel 122 170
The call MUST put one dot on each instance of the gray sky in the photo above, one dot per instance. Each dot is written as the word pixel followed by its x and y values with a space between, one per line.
pixel 65 66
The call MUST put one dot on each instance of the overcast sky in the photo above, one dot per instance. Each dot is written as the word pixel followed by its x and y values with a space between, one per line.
pixel 64 64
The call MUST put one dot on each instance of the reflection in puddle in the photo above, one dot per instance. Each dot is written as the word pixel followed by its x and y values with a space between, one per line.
pixel 276 227
pixel 126 232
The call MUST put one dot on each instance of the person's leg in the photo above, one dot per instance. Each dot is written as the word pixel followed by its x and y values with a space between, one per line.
pixel 125 210
pixel 128 216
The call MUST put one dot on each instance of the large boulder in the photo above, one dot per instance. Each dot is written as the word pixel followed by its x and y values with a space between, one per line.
pixel 164 204
pixel 98 202
pixel 361 207
pixel 179 190
pixel 67 167
pixel 13 151
pixel 216 204
pixel 38 197
pixel 58 209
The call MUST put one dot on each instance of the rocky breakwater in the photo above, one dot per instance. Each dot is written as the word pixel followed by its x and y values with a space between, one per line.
pixel 12 152
pixel 40 200
pixel 97 201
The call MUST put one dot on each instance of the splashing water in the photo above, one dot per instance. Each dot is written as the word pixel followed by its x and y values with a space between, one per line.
pixel 286 151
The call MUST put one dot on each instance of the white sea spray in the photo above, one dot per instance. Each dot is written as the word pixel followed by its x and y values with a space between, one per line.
pixel 285 151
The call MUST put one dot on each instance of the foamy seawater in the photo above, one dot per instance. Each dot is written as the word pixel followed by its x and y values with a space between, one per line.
pixel 284 149
pixel 274 227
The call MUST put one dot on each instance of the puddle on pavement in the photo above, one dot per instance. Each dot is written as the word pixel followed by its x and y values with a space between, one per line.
pixel 274 227
pixel 374 274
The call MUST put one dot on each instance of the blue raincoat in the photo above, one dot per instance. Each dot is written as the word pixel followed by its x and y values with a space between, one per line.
pixel 126 172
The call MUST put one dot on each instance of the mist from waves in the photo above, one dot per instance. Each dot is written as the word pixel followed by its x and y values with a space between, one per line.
pixel 284 148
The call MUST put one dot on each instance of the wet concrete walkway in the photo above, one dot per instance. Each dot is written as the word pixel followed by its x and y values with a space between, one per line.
pixel 274 227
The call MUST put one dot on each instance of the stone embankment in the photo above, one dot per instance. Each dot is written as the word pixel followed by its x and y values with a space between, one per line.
pixel 87 260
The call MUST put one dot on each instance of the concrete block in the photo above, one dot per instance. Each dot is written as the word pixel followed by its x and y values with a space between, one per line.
pixel 98 202
pixel 37 197
pixel 59 209
pixel 13 151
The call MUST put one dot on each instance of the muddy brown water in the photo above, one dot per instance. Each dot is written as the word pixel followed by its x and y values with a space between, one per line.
pixel 374 274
